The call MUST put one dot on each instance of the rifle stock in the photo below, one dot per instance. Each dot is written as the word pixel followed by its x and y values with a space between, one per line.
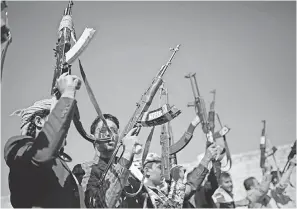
pixel 164 141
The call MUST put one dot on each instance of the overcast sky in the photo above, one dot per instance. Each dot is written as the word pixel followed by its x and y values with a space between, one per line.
pixel 244 50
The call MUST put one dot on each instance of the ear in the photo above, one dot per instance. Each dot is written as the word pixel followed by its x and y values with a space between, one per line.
pixel 147 172
pixel 38 121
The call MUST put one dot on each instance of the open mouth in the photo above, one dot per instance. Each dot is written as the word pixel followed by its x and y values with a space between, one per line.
pixel 111 142
pixel 105 140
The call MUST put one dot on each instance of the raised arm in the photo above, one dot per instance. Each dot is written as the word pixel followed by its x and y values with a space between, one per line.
pixel 254 196
pixel 196 177
pixel 285 179
pixel 48 142
pixel 50 139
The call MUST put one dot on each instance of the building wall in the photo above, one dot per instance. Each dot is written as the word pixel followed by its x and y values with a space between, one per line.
pixel 247 164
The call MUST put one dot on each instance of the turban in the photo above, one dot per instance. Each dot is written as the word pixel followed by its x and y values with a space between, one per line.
pixel 26 113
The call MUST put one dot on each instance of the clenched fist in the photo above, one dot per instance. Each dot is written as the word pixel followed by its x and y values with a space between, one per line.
pixel 68 84
pixel 131 144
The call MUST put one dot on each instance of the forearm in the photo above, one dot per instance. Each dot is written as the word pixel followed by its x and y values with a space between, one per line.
pixel 254 196
pixel 265 183
pixel 51 138
pixel 284 181
pixel 213 181
pixel 196 177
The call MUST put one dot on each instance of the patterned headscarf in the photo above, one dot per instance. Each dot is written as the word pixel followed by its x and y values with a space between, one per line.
pixel 26 113
pixel 152 157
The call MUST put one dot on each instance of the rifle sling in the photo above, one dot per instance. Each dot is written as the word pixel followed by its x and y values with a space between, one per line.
pixel 229 159
pixel 79 127
pixel 147 145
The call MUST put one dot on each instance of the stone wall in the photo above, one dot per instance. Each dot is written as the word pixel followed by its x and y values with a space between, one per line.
pixel 247 164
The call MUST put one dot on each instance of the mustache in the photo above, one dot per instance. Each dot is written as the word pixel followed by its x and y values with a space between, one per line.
pixel 105 138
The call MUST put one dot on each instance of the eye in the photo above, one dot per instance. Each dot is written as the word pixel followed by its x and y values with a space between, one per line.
pixel 114 130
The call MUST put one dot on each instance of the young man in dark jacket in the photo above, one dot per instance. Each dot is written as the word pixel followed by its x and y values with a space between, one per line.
pixel 38 176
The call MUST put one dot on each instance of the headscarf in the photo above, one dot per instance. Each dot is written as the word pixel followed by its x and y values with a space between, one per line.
pixel 152 157
pixel 26 113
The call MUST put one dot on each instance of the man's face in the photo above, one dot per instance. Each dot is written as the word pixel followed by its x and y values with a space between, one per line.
pixel 155 174
pixel 39 123
pixel 101 132
pixel 256 183
pixel 226 184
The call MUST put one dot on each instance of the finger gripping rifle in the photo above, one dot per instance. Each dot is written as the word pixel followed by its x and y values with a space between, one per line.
pixel 65 55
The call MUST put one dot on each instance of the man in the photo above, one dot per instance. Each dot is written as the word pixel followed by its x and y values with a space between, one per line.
pixel 83 171
pixel 38 176
pixel 223 196
pixel 257 192
pixel 182 190
pixel 106 192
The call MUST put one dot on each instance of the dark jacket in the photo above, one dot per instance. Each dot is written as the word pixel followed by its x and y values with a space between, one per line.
pixel 89 174
pixel 38 177
pixel 203 194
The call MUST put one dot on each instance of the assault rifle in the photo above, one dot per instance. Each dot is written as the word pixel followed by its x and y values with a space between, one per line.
pixel 141 107
pixel 211 113
pixel 6 37
pixel 266 153
pixel 263 145
pixel 65 55
pixel 290 156
pixel 166 140
pixel 199 104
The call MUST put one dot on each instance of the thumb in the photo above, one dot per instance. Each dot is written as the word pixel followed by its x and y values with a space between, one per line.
pixel 132 131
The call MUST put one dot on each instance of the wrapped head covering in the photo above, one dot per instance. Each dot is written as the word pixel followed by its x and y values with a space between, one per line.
pixel 26 113
pixel 152 157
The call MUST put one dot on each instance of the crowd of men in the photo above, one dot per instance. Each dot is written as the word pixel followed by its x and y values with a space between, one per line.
pixel 40 177
pixel 35 163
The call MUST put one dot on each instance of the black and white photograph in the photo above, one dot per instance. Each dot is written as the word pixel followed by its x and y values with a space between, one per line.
pixel 148 104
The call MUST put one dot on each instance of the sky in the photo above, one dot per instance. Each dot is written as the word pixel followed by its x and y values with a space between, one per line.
pixel 244 50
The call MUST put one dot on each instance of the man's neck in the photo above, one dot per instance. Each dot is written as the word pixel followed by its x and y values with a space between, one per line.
pixel 148 182
pixel 230 193
pixel 106 155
